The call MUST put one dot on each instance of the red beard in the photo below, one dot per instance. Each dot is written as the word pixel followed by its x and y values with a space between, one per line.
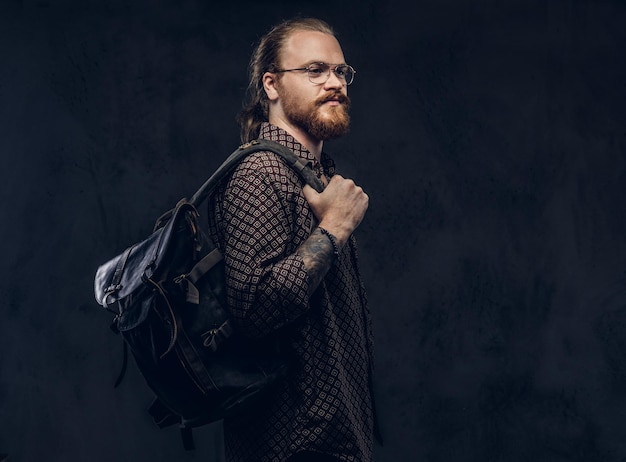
pixel 321 124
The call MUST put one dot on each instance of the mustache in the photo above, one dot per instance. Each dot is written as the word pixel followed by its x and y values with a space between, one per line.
pixel 335 96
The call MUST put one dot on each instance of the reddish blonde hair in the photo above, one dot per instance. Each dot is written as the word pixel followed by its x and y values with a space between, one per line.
pixel 266 58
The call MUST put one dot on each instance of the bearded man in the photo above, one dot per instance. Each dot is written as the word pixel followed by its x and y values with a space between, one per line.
pixel 291 259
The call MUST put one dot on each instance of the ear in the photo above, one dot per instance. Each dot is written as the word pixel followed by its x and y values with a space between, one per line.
pixel 269 85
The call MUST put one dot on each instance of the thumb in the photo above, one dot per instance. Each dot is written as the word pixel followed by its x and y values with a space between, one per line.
pixel 310 194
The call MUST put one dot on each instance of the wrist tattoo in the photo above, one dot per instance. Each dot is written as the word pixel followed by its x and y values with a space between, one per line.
pixel 318 253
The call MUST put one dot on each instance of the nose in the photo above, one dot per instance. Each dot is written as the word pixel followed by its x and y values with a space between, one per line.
pixel 334 82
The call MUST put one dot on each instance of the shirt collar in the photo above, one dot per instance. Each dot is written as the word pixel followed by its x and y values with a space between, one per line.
pixel 271 132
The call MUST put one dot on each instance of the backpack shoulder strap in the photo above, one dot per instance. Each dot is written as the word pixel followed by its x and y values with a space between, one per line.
pixel 297 164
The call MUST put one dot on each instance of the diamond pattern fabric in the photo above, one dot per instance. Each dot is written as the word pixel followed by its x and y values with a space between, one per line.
pixel 259 217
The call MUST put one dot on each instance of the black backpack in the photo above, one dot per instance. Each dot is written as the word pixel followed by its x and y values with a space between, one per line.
pixel 168 295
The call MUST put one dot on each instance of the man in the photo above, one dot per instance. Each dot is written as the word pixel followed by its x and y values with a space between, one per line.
pixel 291 262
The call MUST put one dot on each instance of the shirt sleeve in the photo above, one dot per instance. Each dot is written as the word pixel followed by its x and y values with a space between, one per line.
pixel 267 279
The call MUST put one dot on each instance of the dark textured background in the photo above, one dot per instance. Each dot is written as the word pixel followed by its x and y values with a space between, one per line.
pixel 490 136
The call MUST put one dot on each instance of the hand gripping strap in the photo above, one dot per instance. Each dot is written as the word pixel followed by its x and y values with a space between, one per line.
pixel 254 146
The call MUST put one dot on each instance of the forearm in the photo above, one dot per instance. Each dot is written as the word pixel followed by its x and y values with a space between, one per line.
pixel 318 254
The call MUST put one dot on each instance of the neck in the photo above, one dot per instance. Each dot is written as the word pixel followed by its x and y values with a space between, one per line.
pixel 313 145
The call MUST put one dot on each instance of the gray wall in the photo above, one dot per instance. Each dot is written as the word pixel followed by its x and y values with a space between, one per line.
pixel 489 135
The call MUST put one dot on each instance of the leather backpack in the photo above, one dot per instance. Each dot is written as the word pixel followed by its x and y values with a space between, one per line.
pixel 167 294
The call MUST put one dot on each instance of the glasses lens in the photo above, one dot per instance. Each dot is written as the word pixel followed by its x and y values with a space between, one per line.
pixel 318 72
pixel 345 72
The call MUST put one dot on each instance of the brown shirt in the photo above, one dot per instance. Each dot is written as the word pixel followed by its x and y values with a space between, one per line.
pixel 259 218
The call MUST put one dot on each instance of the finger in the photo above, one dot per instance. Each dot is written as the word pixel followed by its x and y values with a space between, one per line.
pixel 309 193
pixel 336 178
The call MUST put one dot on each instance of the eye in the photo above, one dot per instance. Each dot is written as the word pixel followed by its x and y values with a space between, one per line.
pixel 341 71
pixel 317 69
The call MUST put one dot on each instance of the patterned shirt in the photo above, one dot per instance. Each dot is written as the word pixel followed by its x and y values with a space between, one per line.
pixel 259 218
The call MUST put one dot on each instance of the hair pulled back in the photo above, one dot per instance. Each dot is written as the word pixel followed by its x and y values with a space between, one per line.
pixel 266 58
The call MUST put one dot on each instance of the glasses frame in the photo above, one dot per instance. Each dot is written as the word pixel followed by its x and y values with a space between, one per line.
pixel 330 68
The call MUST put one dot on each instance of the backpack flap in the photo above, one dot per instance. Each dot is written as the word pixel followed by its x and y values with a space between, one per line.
pixel 125 274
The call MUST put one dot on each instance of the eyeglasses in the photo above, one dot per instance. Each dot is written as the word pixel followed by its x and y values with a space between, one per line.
pixel 319 73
